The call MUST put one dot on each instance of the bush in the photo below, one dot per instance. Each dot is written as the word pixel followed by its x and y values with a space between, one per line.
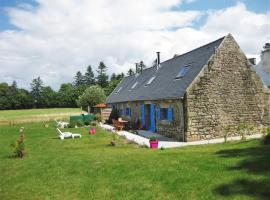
pixel 266 139
pixel 93 123
pixel 19 146
pixel 152 138
pixel 266 130
pixel 71 124
pixel 114 139
pixel 98 117
pixel 86 123
pixel 80 123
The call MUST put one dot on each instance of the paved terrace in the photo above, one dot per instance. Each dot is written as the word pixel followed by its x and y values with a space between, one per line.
pixel 143 138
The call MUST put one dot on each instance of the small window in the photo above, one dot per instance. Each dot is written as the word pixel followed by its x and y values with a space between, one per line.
pixel 150 80
pixel 118 90
pixel 182 72
pixel 127 111
pixel 134 85
pixel 163 113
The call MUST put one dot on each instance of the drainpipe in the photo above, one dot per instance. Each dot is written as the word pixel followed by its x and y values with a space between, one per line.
pixel 158 60
pixel 184 119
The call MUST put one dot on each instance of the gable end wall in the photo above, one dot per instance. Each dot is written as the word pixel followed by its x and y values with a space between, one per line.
pixel 226 93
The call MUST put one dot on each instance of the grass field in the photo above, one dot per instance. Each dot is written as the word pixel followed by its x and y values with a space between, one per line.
pixel 88 168
pixel 36 115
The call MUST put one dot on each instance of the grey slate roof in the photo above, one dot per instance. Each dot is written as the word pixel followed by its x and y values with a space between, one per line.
pixel 164 86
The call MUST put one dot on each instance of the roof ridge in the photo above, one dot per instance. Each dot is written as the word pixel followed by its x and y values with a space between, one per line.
pixel 194 49
pixel 180 55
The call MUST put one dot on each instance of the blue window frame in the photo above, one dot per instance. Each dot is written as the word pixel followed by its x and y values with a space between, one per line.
pixel 183 72
pixel 165 114
pixel 128 112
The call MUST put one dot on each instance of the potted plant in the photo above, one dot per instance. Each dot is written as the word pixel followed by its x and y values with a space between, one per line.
pixel 153 142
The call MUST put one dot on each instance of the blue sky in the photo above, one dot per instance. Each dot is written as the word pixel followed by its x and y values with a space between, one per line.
pixel 42 39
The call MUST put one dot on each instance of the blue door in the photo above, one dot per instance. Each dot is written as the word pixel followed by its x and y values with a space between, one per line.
pixel 152 118
pixel 143 115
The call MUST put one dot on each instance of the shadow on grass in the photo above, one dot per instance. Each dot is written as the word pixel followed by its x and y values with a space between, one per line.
pixel 256 160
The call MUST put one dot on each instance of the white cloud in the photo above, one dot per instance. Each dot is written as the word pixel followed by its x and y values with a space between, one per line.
pixel 60 37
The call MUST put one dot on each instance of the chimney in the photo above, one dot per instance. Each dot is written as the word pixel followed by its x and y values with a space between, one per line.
pixel 252 61
pixel 158 59
pixel 137 68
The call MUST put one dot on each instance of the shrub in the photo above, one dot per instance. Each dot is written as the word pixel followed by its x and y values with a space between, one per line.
pixel 71 124
pixel 86 123
pixel 80 123
pixel 266 130
pixel 244 128
pixel 266 139
pixel 98 117
pixel 93 123
pixel 19 146
pixel 152 138
pixel 114 138
pixel 227 130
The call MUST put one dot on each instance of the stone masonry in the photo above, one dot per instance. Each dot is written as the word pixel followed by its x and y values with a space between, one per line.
pixel 225 93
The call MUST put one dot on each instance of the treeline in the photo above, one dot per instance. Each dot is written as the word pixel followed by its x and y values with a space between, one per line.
pixel 42 96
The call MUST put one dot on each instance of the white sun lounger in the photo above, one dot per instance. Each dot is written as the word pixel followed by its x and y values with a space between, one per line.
pixel 62 124
pixel 63 135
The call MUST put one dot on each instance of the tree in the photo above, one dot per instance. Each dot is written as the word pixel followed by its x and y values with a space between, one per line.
pixel 79 79
pixel 49 97
pixel 67 96
pixel 13 96
pixel 36 91
pixel 25 99
pixel 102 77
pixel 130 72
pixel 4 100
pixel 92 96
pixel 113 76
pixel 89 77
pixel 113 83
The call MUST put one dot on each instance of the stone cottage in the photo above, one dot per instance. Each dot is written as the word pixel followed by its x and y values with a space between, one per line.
pixel 194 96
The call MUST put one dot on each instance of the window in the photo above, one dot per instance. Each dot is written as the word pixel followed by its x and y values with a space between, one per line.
pixel 120 112
pixel 119 89
pixel 163 113
pixel 150 80
pixel 128 112
pixel 134 85
pixel 182 72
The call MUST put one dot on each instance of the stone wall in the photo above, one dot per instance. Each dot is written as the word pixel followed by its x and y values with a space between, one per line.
pixel 226 92
pixel 173 129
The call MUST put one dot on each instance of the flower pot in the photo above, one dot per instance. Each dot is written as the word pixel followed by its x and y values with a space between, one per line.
pixel 92 131
pixel 153 144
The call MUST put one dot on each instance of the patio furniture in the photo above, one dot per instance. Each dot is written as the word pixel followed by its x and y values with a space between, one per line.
pixel 61 124
pixel 118 125
pixel 63 135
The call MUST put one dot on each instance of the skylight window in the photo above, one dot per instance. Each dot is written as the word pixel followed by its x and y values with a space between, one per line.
pixel 150 80
pixel 183 72
pixel 119 89
pixel 134 85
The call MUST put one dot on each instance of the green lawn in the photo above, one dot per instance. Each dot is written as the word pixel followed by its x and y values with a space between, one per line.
pixel 88 168
pixel 35 115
